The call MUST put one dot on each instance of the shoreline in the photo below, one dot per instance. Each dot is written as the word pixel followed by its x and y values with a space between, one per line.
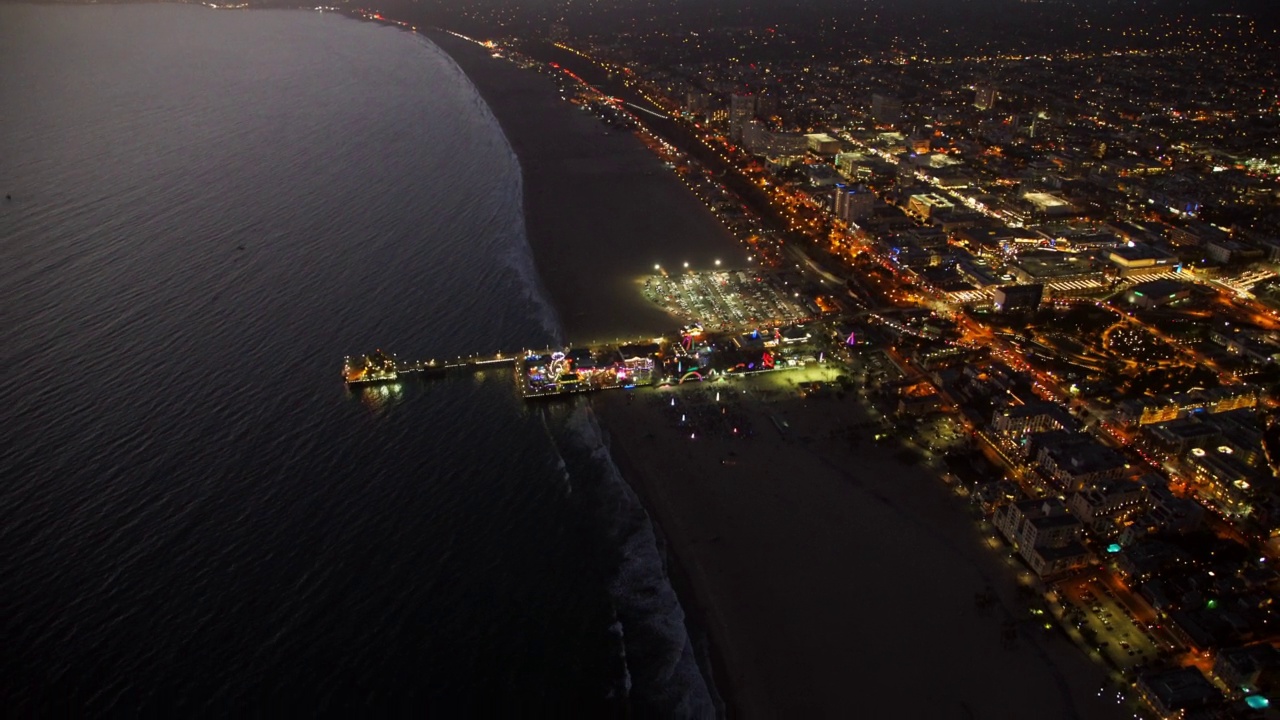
pixel 600 209
pixel 770 560
pixel 712 663
pixel 831 576
pixel 503 96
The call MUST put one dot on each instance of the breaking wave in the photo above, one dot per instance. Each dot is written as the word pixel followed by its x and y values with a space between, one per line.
pixel 514 248
pixel 660 675
pixel 663 675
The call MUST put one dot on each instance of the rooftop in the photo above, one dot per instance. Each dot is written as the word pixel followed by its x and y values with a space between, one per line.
pixel 1047 264
pixel 1159 288
pixel 1182 688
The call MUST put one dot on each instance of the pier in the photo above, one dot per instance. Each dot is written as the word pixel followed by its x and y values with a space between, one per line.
pixel 538 373
pixel 690 355
pixel 433 368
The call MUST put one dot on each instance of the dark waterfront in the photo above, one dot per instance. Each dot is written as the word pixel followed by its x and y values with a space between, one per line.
pixel 210 209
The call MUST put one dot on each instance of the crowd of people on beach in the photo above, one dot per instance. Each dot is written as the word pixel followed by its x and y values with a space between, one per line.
pixel 706 411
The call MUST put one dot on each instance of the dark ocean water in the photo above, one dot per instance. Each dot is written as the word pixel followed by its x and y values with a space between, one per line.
pixel 209 210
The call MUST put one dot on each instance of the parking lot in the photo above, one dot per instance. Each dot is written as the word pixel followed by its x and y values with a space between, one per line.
pixel 728 300
pixel 1110 626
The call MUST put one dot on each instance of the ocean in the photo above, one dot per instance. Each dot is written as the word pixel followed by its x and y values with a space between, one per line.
pixel 208 210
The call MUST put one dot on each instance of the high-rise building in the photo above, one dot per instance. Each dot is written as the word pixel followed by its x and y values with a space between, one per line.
pixel 984 96
pixel 742 108
pixel 698 103
pixel 758 140
pixel 886 109
pixel 854 203
pixel 766 105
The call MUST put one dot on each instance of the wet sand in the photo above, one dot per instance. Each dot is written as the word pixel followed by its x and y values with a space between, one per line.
pixel 600 209
pixel 834 579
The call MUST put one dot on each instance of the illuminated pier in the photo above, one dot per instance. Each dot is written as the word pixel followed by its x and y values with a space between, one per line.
pixel 690 356
pixel 538 373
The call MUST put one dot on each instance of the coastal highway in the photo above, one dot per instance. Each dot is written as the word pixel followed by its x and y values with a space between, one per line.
pixel 795 244
pixel 675 132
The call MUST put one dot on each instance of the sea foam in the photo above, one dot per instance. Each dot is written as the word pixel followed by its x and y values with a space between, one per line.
pixel 661 675
pixel 516 252
pixel 662 668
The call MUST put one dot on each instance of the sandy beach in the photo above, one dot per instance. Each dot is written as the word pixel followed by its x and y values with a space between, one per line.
pixel 831 577
pixel 600 209
pixel 833 580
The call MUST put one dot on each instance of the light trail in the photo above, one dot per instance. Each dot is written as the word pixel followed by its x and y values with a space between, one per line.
pixel 647 110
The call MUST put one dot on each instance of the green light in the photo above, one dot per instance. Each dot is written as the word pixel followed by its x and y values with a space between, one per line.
pixel 1212 604
pixel 1113 548
pixel 1257 702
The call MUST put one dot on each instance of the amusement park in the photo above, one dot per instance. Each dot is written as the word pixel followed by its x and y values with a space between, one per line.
pixel 693 355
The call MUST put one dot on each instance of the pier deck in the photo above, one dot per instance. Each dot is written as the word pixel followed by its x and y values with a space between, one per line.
pixel 539 374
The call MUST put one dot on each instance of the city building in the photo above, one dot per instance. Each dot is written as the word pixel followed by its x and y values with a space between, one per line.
pixel 992 241
pixel 1044 534
pixel 742 109
pixel 821 175
pixel 1249 669
pixel 698 103
pixel 1173 438
pixel 1145 411
pixel 854 203
pixel 977 272
pixel 984 96
pixel 1045 205
pixel 822 144
pixel 853 166
pixel 1157 293
pixel 926 204
pixel 1101 507
pixel 1222 479
pixel 1166 512
pixel 1075 460
pixel 1140 560
pixel 1032 417
pixel 1240 430
pixel 1171 693
pixel 1226 250
pixel 919 399
pixel 1195 234
pixel 1018 298
pixel 1249 344
pixel 758 140
pixel 1223 399
pixel 1136 259
pixel 886 110
pixel 1048 267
